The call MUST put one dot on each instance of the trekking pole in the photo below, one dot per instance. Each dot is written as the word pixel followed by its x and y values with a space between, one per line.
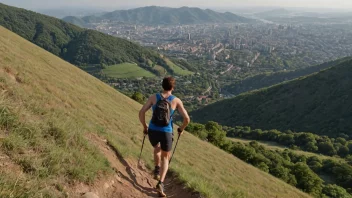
pixel 174 148
pixel 139 159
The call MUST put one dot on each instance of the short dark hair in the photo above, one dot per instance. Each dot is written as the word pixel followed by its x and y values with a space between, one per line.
pixel 168 83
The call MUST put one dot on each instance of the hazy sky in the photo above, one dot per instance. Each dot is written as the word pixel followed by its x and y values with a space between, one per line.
pixel 39 4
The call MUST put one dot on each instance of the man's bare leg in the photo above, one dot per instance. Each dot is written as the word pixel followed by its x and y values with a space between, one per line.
pixel 157 160
pixel 164 164
pixel 157 155
pixel 163 170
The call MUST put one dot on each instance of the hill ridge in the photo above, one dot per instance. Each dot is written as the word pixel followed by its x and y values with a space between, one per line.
pixel 82 47
pixel 156 15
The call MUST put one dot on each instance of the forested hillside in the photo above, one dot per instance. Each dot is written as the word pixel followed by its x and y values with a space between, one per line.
pixel 269 79
pixel 320 103
pixel 76 45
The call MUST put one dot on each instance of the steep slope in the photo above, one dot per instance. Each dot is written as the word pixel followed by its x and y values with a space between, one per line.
pixel 154 15
pixel 79 46
pixel 317 103
pixel 55 117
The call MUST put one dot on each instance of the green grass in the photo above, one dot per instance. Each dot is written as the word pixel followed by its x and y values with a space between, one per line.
pixel 52 106
pixel 126 70
pixel 177 70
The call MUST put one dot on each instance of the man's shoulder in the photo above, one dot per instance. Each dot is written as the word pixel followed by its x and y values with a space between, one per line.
pixel 176 99
pixel 152 97
pixel 155 95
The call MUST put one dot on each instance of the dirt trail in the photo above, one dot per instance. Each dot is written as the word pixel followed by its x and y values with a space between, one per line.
pixel 129 181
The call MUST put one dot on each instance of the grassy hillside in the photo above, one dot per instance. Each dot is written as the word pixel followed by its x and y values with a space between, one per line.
pixel 126 70
pixel 318 103
pixel 154 15
pixel 49 108
pixel 76 45
pixel 176 69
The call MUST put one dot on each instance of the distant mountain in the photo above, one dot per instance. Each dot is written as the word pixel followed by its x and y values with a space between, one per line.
pixel 70 11
pixel 274 13
pixel 319 103
pixel 76 45
pixel 154 15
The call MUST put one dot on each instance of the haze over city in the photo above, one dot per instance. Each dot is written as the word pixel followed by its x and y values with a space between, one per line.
pixel 45 4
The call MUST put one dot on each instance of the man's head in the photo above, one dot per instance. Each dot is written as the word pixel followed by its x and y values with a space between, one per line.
pixel 169 84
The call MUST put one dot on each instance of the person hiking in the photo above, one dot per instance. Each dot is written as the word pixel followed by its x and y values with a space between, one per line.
pixel 160 130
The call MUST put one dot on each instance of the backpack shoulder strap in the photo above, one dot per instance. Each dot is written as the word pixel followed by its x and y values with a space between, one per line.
pixel 158 97
pixel 171 98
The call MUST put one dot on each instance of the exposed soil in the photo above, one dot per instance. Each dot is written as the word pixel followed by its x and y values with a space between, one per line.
pixel 128 180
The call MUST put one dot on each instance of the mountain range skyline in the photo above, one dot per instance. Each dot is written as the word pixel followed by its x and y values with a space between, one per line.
pixel 221 4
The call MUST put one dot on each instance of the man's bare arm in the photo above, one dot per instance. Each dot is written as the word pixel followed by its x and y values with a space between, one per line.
pixel 186 120
pixel 142 112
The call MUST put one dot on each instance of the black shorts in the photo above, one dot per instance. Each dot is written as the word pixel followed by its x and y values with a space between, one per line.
pixel 165 139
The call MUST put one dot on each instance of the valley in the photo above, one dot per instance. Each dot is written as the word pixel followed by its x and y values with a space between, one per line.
pixel 268 94
pixel 228 53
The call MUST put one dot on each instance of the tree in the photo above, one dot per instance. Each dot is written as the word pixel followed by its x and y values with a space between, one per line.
pixel 216 137
pixel 333 190
pixel 305 138
pixel 343 151
pixel 315 163
pixel 349 145
pixel 280 172
pixel 292 180
pixel 139 97
pixel 341 140
pixel 287 139
pixel 315 166
pixel 192 127
pixel 215 133
pixel 212 126
pixel 256 134
pixel 311 146
pixel 348 159
pixel 243 152
pixel 327 148
pixel 307 180
pixel 343 175
pixel 262 166
pixel 273 135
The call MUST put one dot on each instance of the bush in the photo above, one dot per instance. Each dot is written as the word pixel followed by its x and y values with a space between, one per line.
pixel 335 191
pixel 139 97
pixel 307 180
pixel 262 166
